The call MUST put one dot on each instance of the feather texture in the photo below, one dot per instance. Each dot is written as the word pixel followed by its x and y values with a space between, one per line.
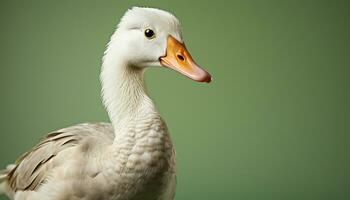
pixel 131 158
pixel 33 167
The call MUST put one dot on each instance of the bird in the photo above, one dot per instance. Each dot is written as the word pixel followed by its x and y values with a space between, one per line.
pixel 132 157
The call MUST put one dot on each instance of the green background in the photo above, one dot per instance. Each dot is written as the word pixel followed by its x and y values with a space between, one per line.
pixel 273 124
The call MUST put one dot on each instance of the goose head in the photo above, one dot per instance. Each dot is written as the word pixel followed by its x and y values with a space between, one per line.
pixel 151 37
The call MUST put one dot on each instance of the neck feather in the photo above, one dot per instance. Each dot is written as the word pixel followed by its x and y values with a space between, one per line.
pixel 123 91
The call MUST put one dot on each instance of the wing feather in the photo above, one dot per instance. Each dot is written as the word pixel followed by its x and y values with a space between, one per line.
pixel 32 168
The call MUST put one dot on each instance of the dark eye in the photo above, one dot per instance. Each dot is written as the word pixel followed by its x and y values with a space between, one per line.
pixel 149 33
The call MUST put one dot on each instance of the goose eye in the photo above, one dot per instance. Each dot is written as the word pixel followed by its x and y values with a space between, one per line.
pixel 149 33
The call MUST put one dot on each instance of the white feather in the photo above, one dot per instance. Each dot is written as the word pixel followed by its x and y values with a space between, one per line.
pixel 140 155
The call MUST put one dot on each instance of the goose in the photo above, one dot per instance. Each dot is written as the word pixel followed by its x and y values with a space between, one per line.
pixel 132 157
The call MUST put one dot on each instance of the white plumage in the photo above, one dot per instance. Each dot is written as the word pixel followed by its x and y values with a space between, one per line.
pixel 133 156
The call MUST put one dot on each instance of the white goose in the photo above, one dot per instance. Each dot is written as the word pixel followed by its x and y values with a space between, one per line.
pixel 131 158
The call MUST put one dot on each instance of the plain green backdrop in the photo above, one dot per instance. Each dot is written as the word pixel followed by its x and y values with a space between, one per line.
pixel 273 124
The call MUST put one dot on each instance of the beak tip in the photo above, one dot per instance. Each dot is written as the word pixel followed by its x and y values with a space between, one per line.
pixel 205 79
pixel 209 80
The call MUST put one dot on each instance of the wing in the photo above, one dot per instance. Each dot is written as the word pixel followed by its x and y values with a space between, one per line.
pixel 31 169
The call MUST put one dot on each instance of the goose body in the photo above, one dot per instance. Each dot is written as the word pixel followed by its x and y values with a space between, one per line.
pixel 130 158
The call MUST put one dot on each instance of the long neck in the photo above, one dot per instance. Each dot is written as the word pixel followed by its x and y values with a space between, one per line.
pixel 123 91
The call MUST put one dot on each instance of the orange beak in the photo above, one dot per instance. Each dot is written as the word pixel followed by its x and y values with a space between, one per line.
pixel 179 59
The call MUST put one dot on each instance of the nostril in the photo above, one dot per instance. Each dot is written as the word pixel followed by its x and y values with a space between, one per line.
pixel 180 57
